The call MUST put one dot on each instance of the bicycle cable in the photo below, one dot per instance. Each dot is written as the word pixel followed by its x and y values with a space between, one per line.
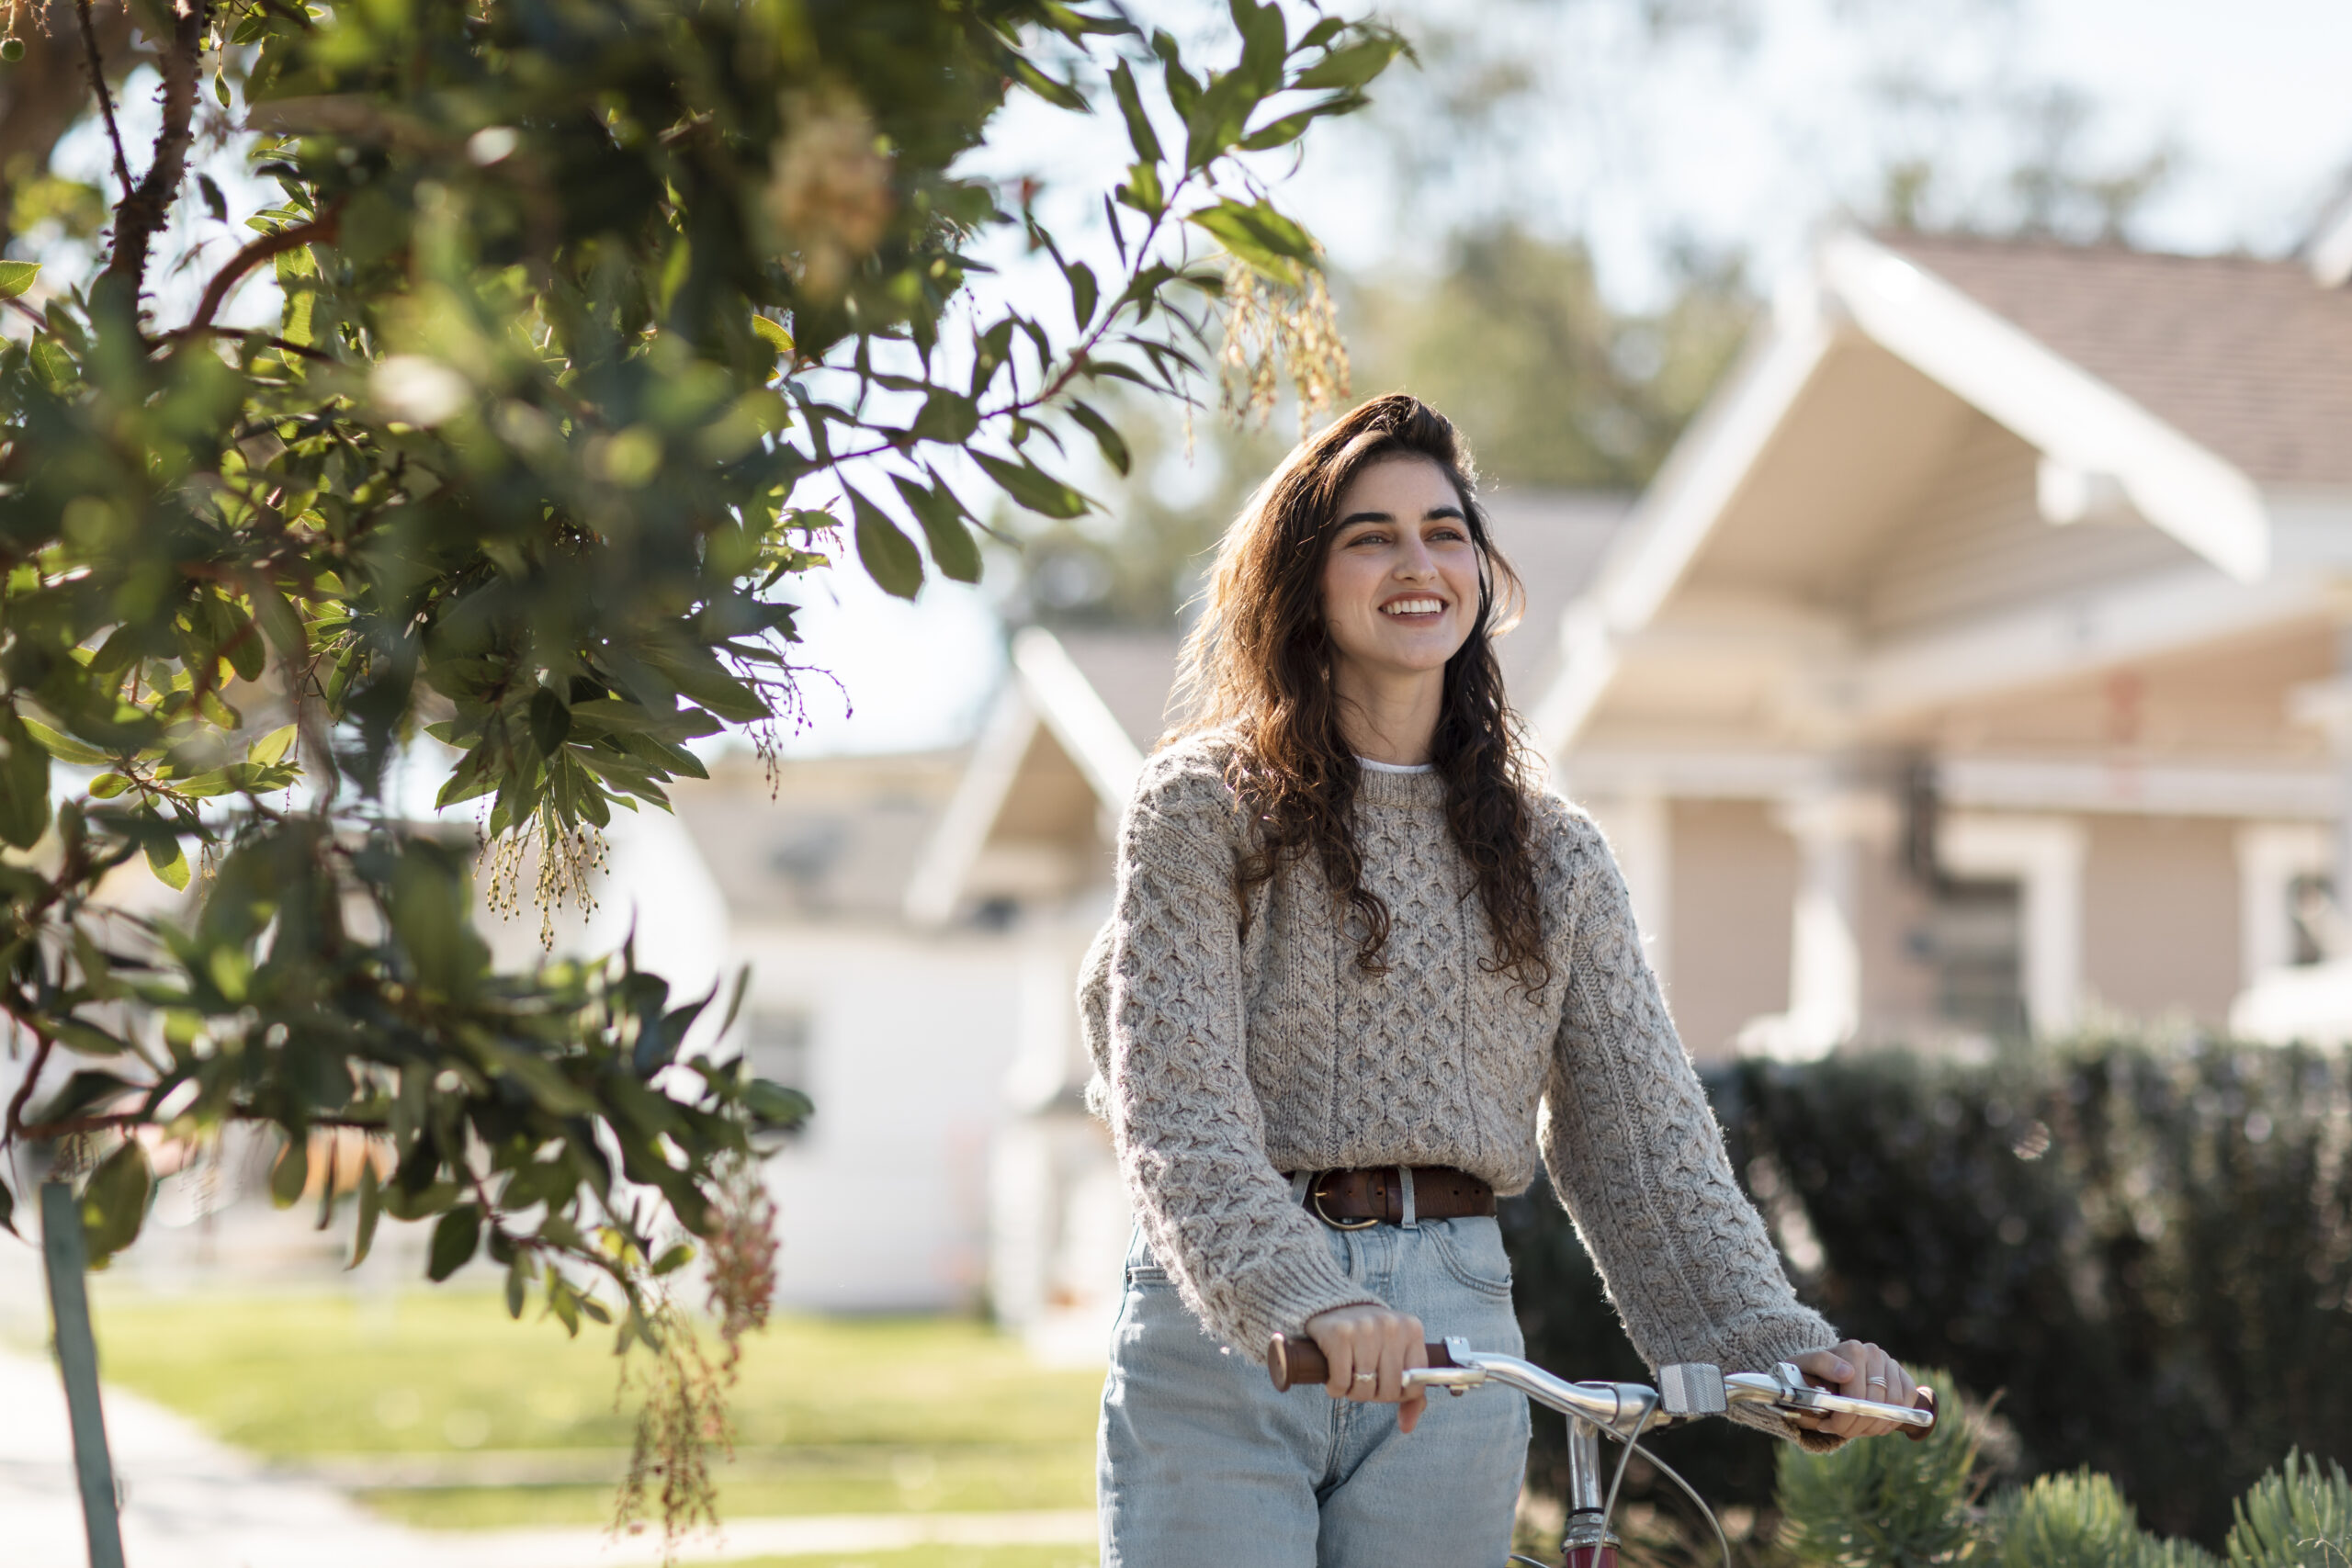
pixel 1691 1492
pixel 1633 1446
pixel 1608 1507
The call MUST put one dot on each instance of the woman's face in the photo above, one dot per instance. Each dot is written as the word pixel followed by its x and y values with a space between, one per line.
pixel 1400 582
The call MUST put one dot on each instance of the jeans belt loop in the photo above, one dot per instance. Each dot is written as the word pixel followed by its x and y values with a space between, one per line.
pixel 1411 1221
pixel 1299 1180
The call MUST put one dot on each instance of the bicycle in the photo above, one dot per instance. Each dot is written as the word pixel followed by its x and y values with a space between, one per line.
pixel 1687 1391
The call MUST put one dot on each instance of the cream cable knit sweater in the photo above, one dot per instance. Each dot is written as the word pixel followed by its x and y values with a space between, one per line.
pixel 1226 1059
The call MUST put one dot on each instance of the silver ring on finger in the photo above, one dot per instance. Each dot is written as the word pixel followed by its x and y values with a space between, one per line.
pixel 1367 1377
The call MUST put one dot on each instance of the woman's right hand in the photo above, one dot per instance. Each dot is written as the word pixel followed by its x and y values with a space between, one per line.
pixel 1369 1349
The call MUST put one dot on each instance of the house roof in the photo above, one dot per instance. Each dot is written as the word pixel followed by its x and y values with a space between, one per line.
pixel 2249 358
pixel 837 839
pixel 2209 394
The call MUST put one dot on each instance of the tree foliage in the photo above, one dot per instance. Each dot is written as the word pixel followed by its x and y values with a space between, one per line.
pixel 604 323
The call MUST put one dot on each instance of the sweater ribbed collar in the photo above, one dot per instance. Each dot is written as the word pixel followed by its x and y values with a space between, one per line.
pixel 1375 787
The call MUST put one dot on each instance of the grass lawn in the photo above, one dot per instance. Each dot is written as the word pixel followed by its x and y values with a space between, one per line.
pixel 832 1416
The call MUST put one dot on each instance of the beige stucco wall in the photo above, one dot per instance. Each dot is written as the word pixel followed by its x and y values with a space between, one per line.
pixel 1733 880
pixel 2160 915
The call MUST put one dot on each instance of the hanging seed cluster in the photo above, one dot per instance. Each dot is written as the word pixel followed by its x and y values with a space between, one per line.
pixel 564 862
pixel 1275 332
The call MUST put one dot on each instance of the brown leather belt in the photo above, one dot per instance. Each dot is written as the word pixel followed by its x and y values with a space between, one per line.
pixel 1352 1200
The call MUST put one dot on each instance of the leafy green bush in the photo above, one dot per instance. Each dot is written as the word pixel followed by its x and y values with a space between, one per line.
pixel 2079 1520
pixel 2144 1248
pixel 1885 1504
pixel 2294 1518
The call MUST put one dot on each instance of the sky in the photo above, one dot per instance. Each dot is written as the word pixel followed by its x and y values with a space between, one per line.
pixel 1753 141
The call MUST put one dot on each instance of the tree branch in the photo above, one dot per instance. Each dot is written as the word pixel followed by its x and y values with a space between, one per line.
pixel 105 100
pixel 141 213
pixel 14 1127
pixel 46 1132
pixel 206 329
pixel 216 293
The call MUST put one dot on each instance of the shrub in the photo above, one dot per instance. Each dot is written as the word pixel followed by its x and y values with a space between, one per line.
pixel 2294 1518
pixel 2145 1248
pixel 1885 1504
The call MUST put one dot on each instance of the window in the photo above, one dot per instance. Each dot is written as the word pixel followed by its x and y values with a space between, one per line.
pixel 2311 917
pixel 1975 939
pixel 777 1045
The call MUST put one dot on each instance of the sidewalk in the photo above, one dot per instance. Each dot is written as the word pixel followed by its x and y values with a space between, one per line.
pixel 190 1502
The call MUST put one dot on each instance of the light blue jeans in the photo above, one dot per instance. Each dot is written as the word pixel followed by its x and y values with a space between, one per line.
pixel 1201 1464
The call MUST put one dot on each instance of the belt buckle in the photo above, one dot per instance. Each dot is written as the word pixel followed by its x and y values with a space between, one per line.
pixel 1315 1202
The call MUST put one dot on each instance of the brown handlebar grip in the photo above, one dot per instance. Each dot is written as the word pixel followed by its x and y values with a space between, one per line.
pixel 1925 1400
pixel 1294 1362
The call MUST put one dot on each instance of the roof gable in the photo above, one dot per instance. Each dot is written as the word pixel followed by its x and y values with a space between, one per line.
pixel 2247 357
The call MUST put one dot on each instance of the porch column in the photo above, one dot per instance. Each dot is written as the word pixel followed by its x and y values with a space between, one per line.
pixel 1639 826
pixel 2326 706
pixel 1832 828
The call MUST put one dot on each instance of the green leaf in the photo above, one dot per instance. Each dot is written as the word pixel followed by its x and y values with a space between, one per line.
pixel 430 917
pixel 1352 65
pixel 1291 126
pixel 550 721
pixel 1143 191
pixel 168 861
pixel 291 1173
pixel 889 555
pixel 772 1105
pixel 24 784
pixel 1259 236
pixel 16 276
pixel 953 547
pixel 1114 445
pixel 1083 292
pixel 1062 95
pixel 105 786
pixel 270 747
pixel 371 1206
pixel 455 1240
pixel 947 417
pixel 772 333
pixel 114 1203
pixel 670 1262
pixel 53 365
pixel 1141 134
pixel 65 748
pixel 1032 487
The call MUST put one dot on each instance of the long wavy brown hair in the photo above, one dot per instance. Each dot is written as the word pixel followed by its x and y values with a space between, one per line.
pixel 1259 664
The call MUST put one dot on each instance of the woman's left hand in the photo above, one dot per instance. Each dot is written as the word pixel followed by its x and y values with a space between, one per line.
pixel 1859 1371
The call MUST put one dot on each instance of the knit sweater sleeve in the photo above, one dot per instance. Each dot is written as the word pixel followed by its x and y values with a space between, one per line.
pixel 1635 1154
pixel 1189 1128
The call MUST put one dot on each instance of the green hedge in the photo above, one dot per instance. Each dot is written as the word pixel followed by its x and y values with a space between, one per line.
pixel 2144 1250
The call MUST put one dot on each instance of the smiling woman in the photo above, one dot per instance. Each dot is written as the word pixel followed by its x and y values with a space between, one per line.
pixel 1356 947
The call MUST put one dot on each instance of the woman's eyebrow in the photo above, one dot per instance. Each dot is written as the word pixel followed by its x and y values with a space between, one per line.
pixel 1433 514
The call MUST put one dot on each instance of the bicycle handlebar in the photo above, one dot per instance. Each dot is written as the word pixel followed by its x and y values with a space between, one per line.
pixel 1294 1361
pixel 1692 1389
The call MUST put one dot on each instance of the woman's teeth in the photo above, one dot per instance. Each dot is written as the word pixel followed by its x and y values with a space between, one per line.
pixel 1413 607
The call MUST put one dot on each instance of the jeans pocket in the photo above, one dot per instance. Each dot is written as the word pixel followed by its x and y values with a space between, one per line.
pixel 1472 1251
